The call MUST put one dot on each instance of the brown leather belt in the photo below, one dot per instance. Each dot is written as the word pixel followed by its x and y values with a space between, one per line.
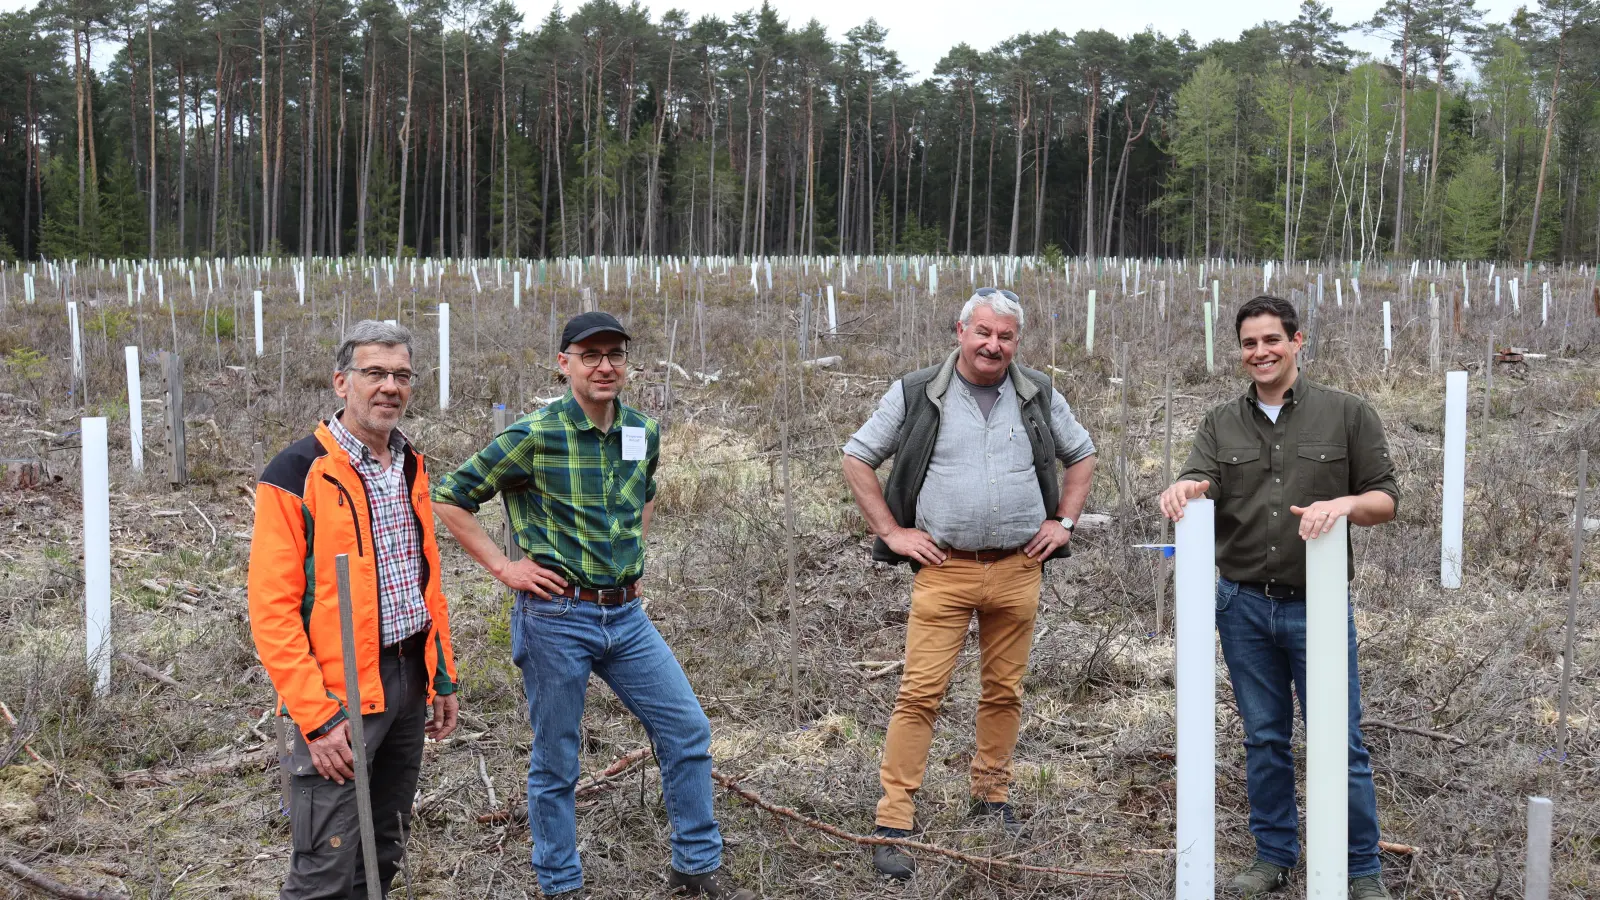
pixel 606 596
pixel 982 556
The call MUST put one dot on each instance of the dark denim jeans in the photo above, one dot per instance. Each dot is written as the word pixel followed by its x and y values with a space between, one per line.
pixel 1264 643
pixel 557 643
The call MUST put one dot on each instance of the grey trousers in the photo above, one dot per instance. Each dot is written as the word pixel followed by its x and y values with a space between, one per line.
pixel 327 861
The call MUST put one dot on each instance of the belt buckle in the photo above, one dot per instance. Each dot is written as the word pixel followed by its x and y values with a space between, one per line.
pixel 1267 590
pixel 612 596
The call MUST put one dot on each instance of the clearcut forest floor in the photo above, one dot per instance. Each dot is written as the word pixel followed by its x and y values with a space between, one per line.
pixel 1478 667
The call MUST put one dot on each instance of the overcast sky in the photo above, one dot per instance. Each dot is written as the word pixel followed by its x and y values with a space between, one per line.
pixel 922 30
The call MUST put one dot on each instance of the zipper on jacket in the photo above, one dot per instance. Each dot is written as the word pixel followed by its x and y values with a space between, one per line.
pixel 355 520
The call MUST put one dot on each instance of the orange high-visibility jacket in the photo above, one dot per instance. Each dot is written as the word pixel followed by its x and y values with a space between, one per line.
pixel 311 506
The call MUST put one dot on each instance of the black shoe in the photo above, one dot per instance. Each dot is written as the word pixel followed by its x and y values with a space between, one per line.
pixel 714 884
pixel 998 810
pixel 890 860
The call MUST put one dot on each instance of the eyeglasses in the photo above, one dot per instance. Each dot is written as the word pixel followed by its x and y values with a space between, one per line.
pixel 591 358
pixel 989 292
pixel 375 376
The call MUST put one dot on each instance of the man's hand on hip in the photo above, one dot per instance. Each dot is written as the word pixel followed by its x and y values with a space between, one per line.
pixel 1318 519
pixel 1050 537
pixel 527 575
pixel 916 544
pixel 1176 497
pixel 331 754
pixel 446 712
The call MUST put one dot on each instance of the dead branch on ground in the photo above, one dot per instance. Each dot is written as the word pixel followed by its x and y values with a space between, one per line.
pixel 978 862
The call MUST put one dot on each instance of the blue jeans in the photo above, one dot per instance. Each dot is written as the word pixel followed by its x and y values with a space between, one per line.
pixel 557 643
pixel 1264 644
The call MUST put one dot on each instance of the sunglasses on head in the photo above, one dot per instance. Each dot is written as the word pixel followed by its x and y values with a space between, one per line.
pixel 989 292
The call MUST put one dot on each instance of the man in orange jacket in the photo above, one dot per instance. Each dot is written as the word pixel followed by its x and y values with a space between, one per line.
pixel 357 487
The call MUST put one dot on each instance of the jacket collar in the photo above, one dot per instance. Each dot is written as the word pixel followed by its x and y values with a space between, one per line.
pixel 940 383
pixel 331 445
pixel 1295 393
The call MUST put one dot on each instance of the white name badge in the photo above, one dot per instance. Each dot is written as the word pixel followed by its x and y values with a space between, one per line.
pixel 634 443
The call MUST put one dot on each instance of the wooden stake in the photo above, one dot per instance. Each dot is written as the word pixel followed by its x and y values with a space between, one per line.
pixel 172 388
pixel 358 742
pixel 1166 526
pixel 1576 583
pixel 1488 381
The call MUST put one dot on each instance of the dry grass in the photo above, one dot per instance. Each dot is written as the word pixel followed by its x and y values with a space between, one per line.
pixel 1093 774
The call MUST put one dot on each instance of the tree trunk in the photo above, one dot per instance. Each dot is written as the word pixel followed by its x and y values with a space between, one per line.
pixel 77 76
pixel 405 150
pixel 1544 157
pixel 760 242
pixel 216 154
pixel 338 190
pixel 1041 179
pixel 1438 113
pixel 1119 185
pixel 444 136
pixel 266 157
pixel 1288 181
pixel 955 197
pixel 1016 192
pixel 183 161
pixel 277 151
pixel 1094 112
pixel 150 46
pixel 1400 189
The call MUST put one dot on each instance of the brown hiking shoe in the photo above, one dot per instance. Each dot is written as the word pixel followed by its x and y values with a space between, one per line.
pixel 714 884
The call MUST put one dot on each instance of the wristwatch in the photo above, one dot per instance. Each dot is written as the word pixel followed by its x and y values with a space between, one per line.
pixel 1066 522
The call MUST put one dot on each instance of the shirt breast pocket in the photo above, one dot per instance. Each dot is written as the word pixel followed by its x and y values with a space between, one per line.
pixel 1324 470
pixel 1242 472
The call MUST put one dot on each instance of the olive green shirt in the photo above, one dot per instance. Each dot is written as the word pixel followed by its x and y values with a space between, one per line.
pixel 1325 444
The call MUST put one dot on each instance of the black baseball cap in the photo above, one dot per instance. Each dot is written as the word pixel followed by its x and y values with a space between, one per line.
pixel 589 324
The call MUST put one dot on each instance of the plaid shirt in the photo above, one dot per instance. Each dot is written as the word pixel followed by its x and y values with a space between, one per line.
pixel 577 506
pixel 396 537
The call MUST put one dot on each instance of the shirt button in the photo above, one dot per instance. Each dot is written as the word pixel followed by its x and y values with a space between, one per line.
pixel 1322 456
pixel 1277 446
pixel 1274 512
pixel 1236 459
pixel 1278 480
pixel 1273 549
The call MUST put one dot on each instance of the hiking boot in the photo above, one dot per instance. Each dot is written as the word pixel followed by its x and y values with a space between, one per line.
pixel 1368 887
pixel 889 860
pixel 1261 878
pixel 714 884
pixel 1000 811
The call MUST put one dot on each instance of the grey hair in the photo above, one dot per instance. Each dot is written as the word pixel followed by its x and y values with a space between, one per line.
pixel 370 331
pixel 1000 303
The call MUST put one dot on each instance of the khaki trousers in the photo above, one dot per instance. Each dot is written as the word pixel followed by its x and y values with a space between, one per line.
pixel 1005 597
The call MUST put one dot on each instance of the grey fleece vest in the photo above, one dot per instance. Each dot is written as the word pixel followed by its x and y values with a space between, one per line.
pixel 924 392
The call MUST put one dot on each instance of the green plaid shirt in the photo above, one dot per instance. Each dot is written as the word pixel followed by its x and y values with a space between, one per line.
pixel 577 506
